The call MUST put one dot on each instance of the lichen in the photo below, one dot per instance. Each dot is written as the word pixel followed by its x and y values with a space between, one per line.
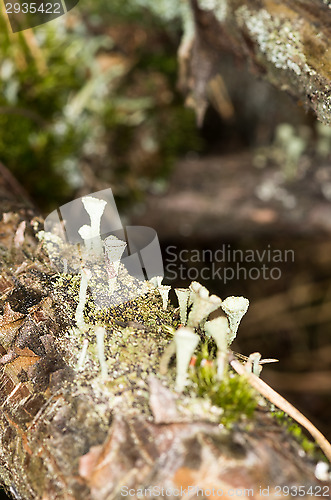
pixel 284 41
pixel 136 333
pixel 165 9
pixel 134 329
pixel 218 7
pixel 277 40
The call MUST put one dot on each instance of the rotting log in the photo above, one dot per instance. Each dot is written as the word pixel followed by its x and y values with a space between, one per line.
pixel 287 42
pixel 203 199
pixel 69 434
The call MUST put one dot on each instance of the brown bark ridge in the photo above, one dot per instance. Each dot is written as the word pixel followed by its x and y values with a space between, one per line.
pixel 71 434
pixel 287 42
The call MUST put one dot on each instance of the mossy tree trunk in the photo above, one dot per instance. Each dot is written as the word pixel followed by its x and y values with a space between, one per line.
pixel 70 434
pixel 287 42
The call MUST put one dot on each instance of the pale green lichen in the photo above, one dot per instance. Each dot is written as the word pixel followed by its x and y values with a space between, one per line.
pixel 169 10
pixel 203 305
pixel 186 341
pixel 235 308
pixel 182 296
pixel 322 105
pixel 164 292
pixel 277 40
pixel 293 145
pixel 218 329
pixel 165 9
pixel 323 147
pixel 218 7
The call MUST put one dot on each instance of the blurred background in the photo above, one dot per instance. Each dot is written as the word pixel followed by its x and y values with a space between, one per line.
pixel 90 100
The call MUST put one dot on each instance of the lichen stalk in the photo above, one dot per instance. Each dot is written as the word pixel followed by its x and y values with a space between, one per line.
pixel 114 248
pixel 218 329
pixel 95 208
pixel 164 292
pixel 85 232
pixel 186 341
pixel 100 333
pixel 82 357
pixel 79 315
pixel 183 298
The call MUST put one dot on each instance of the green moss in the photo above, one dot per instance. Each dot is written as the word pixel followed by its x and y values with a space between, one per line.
pixel 61 107
pixel 310 447
pixel 233 394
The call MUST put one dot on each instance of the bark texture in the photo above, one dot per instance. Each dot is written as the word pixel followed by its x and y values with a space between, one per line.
pixel 287 42
pixel 69 434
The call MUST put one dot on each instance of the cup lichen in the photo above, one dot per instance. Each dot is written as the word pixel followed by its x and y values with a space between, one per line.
pixel 114 249
pixel 183 298
pixel 79 315
pixel 218 329
pixel 164 292
pixel 203 305
pixel 95 208
pixel 235 308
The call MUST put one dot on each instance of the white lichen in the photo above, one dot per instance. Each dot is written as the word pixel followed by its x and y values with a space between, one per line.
pixel 165 9
pixel 277 39
pixel 52 243
pixel 196 288
pixel 79 315
pixel 218 7
pixel 235 308
pixel 322 471
pixel 218 329
pixel 95 208
pixel 183 297
pixel 85 232
pixel 156 281
pixel 186 341
pixel 164 292
pixel 82 357
pixel 203 305
pixel 114 249
pixel 100 333
pixel 252 364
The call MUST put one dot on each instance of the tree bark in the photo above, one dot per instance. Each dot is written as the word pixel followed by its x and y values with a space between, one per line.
pixel 287 42
pixel 70 434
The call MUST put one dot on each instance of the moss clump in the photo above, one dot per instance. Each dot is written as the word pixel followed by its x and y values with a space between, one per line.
pixel 310 447
pixel 233 394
